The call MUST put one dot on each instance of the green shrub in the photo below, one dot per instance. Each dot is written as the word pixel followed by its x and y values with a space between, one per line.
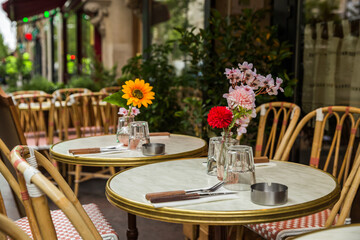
pixel 38 82
pixel 83 81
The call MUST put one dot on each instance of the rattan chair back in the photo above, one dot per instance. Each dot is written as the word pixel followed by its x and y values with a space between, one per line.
pixel 110 90
pixel 61 112
pixel 36 117
pixel 62 94
pixel 333 123
pixel 277 121
pixel 26 160
pixel 91 115
pixel 23 92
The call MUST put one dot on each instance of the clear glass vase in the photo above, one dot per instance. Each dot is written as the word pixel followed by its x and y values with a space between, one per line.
pixel 123 129
pixel 218 146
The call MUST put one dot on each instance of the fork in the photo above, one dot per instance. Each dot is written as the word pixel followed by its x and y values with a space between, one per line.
pixel 182 192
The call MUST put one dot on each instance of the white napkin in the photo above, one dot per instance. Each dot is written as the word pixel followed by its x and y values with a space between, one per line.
pixel 199 200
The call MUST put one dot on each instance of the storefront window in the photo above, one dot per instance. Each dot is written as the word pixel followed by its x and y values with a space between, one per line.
pixel 331 55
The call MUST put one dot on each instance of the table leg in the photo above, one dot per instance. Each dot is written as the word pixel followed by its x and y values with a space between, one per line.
pixel 132 232
pixel 217 232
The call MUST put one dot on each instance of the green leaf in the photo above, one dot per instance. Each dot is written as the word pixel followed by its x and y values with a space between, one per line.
pixel 116 99
pixel 288 91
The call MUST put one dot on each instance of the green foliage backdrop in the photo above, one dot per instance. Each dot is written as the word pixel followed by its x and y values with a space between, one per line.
pixel 224 44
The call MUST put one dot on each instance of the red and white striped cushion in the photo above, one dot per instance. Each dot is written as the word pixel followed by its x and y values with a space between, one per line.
pixel 296 226
pixel 65 230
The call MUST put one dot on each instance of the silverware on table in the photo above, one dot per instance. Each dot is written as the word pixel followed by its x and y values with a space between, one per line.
pixel 149 196
pixel 189 196
pixel 96 150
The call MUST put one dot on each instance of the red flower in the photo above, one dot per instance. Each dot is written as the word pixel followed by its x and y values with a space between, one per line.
pixel 220 117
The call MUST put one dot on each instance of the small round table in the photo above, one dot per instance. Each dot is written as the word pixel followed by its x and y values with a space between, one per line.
pixel 176 146
pixel 349 232
pixel 310 190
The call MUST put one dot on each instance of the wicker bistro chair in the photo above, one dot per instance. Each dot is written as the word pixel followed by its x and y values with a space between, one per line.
pixel 17 93
pixel 113 121
pixel 110 90
pixel 281 118
pixel 92 117
pixel 9 228
pixel 72 220
pixel 36 119
pixel 337 160
pixel 61 115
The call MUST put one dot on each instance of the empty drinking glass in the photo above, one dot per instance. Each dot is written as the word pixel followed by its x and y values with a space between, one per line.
pixel 139 135
pixel 122 133
pixel 239 168
pixel 217 151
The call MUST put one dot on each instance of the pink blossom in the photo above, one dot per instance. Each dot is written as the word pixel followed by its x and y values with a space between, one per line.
pixel 234 75
pixel 246 84
pixel 245 65
pixel 135 111
pixel 123 111
pixel 268 81
pixel 241 97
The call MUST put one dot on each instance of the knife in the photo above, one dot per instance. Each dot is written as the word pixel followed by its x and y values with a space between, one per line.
pixel 148 196
pixel 190 196
pixel 95 150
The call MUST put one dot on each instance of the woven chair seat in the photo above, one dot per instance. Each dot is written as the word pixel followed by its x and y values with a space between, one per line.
pixel 296 226
pixel 65 230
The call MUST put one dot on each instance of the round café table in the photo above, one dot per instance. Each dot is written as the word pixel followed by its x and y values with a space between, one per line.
pixel 348 232
pixel 176 146
pixel 310 190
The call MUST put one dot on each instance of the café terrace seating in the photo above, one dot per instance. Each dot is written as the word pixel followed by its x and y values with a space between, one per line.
pixel 36 112
pixel 92 117
pixel 278 119
pixel 71 221
pixel 281 118
pixel 337 157
pixel 61 111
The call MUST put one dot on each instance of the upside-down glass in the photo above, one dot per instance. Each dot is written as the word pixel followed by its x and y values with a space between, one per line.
pixel 239 168
pixel 139 135
pixel 217 154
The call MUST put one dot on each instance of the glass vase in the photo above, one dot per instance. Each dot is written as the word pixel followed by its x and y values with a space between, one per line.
pixel 218 147
pixel 123 129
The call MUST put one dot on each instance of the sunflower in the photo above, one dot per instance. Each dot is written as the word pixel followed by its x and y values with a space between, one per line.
pixel 138 93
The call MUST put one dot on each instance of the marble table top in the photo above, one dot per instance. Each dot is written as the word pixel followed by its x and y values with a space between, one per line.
pixel 310 190
pixel 349 232
pixel 176 146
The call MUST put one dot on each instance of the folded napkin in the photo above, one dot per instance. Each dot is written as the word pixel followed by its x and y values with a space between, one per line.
pixel 198 200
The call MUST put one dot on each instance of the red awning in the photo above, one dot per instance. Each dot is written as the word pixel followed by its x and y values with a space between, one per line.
pixel 18 9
